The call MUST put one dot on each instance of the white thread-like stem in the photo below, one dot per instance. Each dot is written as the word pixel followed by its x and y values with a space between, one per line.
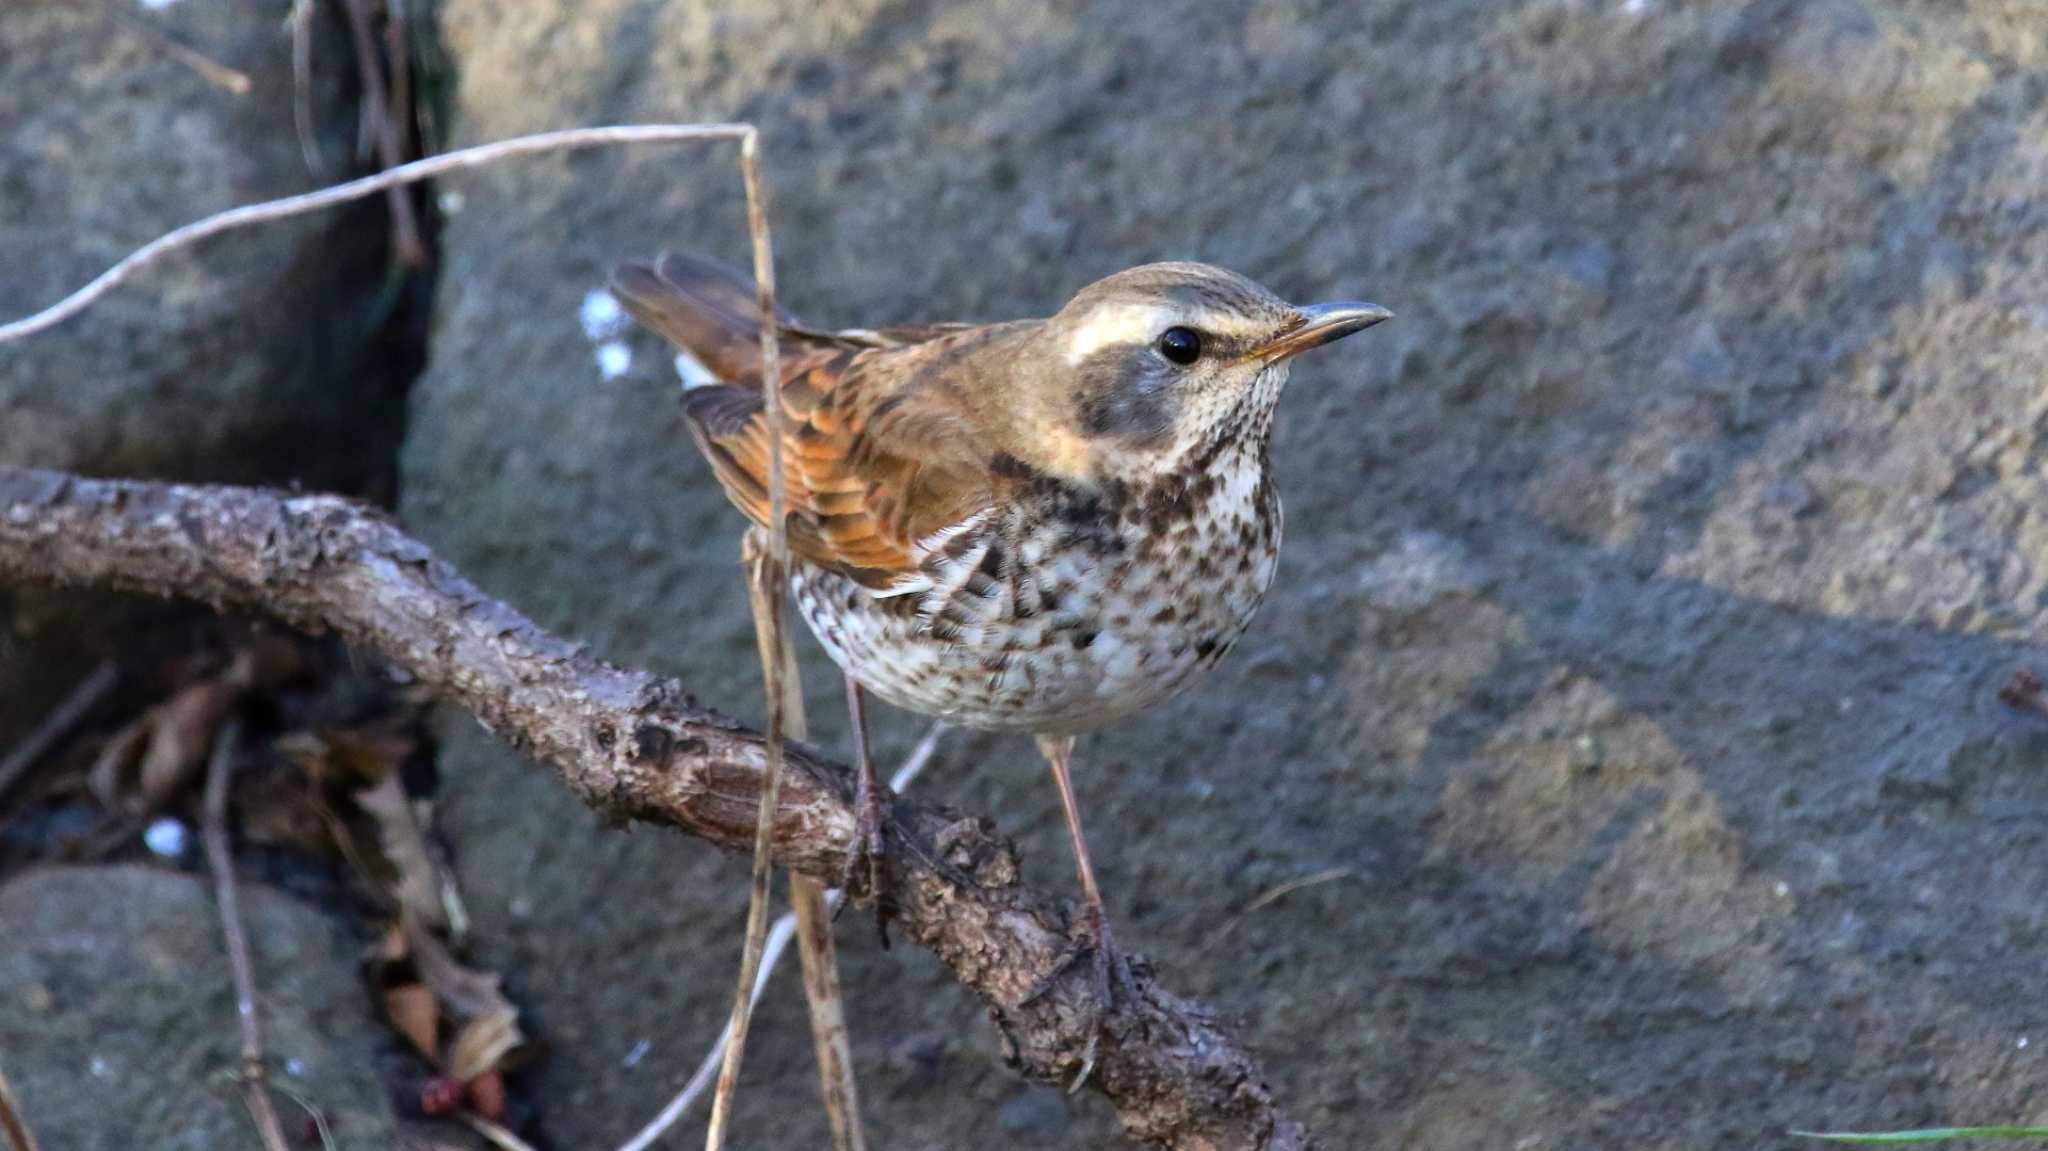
pixel 778 942
pixel 427 169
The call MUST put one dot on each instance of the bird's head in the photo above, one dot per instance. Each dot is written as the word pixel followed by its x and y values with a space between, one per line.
pixel 1164 359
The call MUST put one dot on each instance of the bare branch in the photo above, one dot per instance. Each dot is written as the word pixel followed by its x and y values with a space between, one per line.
pixel 405 225
pixel 220 857
pixel 635 747
pixel 49 733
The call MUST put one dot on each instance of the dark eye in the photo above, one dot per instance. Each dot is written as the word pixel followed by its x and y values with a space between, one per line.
pixel 1181 345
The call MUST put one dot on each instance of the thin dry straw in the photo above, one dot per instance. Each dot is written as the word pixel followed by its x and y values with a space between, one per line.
pixel 778 942
pixel 476 157
pixel 773 573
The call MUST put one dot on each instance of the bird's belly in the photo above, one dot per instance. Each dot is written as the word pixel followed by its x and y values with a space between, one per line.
pixel 1125 634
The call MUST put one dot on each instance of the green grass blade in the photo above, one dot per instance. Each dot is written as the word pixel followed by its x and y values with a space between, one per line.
pixel 1928 1135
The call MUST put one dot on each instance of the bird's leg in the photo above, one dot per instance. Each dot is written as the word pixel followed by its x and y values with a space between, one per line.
pixel 864 859
pixel 1108 965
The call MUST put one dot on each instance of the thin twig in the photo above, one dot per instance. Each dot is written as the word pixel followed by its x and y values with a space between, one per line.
pixel 778 942
pixel 58 724
pixel 321 1127
pixel 417 170
pixel 219 75
pixel 1272 895
pixel 811 906
pixel 765 581
pixel 302 89
pixel 768 570
pixel 12 1125
pixel 405 225
pixel 398 52
pixel 831 1041
pixel 714 1060
pixel 221 859
pixel 497 1133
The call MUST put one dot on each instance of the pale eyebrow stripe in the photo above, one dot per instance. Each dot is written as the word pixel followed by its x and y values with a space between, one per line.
pixel 1116 324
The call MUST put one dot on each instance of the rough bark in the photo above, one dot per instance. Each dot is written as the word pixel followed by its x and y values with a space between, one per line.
pixel 637 747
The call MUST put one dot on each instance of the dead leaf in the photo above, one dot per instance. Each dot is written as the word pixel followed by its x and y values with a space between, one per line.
pixel 483 1043
pixel 414 1013
pixel 487 1095
pixel 266 662
pixel 111 779
pixel 181 733
pixel 469 993
pixel 345 759
pixel 487 1032
pixel 422 888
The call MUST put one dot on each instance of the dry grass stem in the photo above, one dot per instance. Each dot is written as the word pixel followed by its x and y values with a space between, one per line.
pixel 220 857
pixel 229 80
pixel 378 110
pixel 768 570
pixel 766 577
pixel 497 1134
pixel 302 88
pixel 318 1118
pixel 833 1043
pixel 779 937
pixel 412 173
pixel 811 907
pixel 398 51
pixel 1274 894
pixel 12 1125
pixel 57 725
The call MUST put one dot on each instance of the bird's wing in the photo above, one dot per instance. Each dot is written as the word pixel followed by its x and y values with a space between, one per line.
pixel 874 465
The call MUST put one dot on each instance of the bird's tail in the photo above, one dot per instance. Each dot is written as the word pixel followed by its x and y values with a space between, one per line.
pixel 701 306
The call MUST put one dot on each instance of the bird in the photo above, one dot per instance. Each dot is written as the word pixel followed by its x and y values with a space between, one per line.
pixel 1038 526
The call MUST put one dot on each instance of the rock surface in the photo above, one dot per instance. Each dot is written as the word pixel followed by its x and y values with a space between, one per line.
pixel 117 1013
pixel 272 355
pixel 1648 584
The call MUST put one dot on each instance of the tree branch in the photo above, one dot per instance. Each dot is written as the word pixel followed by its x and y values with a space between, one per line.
pixel 636 747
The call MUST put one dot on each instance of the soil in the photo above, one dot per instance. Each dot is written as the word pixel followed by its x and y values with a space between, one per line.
pixel 1648 585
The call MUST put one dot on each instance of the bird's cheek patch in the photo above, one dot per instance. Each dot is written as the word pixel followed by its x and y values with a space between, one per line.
pixel 1133 407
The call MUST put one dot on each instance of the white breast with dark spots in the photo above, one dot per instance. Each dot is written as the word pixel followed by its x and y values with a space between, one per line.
pixel 1065 614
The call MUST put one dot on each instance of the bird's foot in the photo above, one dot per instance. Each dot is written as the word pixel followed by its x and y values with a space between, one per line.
pixel 1110 979
pixel 865 875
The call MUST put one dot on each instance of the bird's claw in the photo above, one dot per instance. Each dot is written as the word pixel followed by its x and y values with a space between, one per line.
pixel 1109 978
pixel 865 874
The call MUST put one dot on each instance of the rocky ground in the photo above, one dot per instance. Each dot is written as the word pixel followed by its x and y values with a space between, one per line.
pixel 1648 586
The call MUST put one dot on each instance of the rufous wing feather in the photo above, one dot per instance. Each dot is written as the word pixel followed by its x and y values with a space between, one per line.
pixel 873 463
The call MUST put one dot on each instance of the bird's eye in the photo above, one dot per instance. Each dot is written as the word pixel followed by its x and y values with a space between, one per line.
pixel 1181 345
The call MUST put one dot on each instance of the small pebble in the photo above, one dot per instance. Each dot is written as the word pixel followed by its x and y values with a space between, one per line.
pixel 166 837
pixel 614 359
pixel 600 314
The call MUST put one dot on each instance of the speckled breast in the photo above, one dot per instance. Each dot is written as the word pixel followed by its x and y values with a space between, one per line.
pixel 1067 611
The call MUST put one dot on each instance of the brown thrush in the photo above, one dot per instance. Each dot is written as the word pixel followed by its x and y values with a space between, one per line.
pixel 1035 526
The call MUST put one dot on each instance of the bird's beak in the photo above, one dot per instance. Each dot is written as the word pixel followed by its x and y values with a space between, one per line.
pixel 1320 324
